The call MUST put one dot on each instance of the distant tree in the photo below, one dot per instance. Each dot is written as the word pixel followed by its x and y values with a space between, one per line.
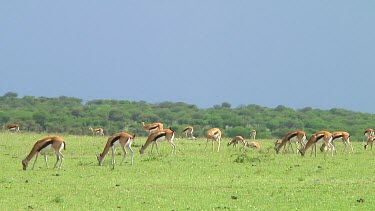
pixel 11 95
pixel 226 105
pixel 40 118
pixel 116 116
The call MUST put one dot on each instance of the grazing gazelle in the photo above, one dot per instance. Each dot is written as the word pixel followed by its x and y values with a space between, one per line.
pixel 187 132
pixel 152 127
pixel 43 146
pixel 122 140
pixel 319 136
pixel 97 131
pixel 253 134
pixel 214 134
pixel 12 127
pixel 236 140
pixel 339 135
pixel 157 136
pixel 370 141
pixel 296 136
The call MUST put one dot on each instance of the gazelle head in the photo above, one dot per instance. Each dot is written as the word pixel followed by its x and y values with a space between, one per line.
pixel 301 151
pixel 141 150
pixel 277 144
pixel 233 141
pixel 24 164
pixel 100 159
pixel 323 148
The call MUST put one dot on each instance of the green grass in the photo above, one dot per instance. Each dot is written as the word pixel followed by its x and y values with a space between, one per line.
pixel 194 179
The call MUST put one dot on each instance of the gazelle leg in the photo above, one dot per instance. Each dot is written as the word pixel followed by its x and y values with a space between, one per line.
pixel 157 147
pixel 113 156
pixel 173 147
pixel 123 157
pixel 45 159
pixel 131 154
pixel 60 157
pixel 218 146
pixel 36 158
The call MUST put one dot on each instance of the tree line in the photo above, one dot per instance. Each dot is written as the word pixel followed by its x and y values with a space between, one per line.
pixel 74 116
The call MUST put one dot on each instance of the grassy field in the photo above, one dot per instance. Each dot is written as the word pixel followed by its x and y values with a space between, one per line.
pixel 194 179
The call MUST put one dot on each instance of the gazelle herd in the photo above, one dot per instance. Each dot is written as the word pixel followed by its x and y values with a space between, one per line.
pixel 158 134
pixel 328 139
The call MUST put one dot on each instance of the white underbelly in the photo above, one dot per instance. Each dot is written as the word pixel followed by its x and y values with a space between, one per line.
pixel 47 149
pixel 294 139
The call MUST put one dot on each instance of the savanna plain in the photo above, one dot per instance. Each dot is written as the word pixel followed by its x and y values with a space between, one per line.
pixel 194 179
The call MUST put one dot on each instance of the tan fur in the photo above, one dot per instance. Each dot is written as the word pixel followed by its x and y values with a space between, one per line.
pixel 369 132
pixel 253 144
pixel 124 140
pixel 157 136
pixel 57 144
pixel 214 134
pixel 152 127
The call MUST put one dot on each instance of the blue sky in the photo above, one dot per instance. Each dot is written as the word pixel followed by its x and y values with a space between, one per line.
pixel 293 53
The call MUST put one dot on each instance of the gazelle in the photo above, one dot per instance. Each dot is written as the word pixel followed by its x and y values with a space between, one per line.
pixel 12 127
pixel 253 134
pixel 43 146
pixel 188 130
pixel 122 140
pixel 319 136
pixel 297 136
pixel 370 141
pixel 157 136
pixel 344 137
pixel 253 144
pixel 368 132
pixel 152 127
pixel 236 140
pixel 214 134
pixel 97 131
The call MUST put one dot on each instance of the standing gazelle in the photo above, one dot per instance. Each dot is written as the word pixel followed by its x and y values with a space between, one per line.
pixel 12 127
pixel 214 134
pixel 187 132
pixel 43 146
pixel 152 127
pixel 122 140
pixel 253 134
pixel 97 131
pixel 319 136
pixel 157 136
